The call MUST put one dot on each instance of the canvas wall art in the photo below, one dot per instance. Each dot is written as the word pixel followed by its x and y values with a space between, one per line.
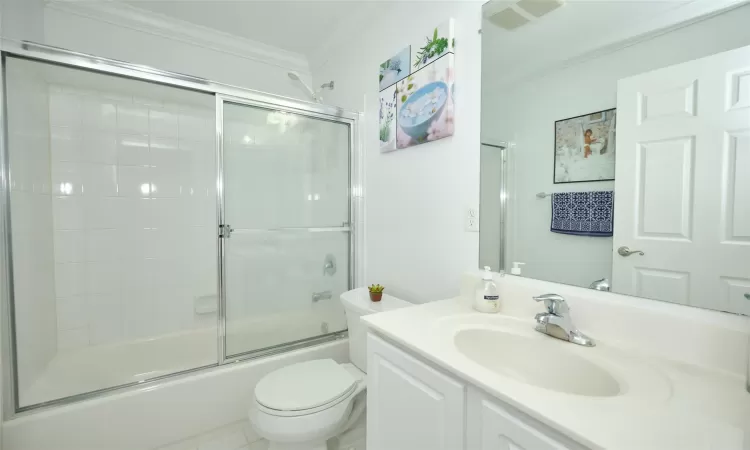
pixel 585 148
pixel 395 69
pixel 416 99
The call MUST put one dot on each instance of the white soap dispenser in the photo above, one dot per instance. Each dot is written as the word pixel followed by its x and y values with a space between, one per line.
pixel 516 270
pixel 487 296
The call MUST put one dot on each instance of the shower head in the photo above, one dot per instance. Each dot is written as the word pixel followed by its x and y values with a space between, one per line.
pixel 295 77
pixel 314 94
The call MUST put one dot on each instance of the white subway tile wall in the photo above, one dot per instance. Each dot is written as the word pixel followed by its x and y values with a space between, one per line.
pixel 133 201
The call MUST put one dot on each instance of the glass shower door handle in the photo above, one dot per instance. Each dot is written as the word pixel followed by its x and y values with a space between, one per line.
pixel 225 231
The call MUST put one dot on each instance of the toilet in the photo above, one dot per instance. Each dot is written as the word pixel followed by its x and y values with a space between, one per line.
pixel 303 405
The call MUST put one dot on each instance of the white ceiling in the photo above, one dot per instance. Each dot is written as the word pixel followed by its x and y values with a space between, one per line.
pixel 579 28
pixel 311 27
pixel 293 25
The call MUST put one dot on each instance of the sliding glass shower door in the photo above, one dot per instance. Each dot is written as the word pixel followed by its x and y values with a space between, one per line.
pixel 118 263
pixel 286 232
pixel 112 201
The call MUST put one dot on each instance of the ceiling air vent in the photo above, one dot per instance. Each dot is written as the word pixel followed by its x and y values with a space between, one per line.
pixel 510 17
pixel 538 8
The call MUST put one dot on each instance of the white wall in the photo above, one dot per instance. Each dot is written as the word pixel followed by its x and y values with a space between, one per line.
pixel 415 243
pixel 525 113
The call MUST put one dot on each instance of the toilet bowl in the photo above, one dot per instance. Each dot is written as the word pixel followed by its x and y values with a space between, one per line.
pixel 303 405
pixel 291 418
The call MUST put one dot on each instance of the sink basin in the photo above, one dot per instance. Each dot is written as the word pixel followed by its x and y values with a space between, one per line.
pixel 536 361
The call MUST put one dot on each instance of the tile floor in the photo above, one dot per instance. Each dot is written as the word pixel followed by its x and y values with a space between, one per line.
pixel 239 436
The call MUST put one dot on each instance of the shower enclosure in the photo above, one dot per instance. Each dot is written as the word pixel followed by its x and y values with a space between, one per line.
pixel 156 224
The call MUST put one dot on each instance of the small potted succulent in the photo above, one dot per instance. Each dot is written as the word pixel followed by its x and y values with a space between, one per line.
pixel 376 292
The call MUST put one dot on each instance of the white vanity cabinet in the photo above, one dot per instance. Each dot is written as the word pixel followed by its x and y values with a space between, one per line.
pixel 491 425
pixel 413 406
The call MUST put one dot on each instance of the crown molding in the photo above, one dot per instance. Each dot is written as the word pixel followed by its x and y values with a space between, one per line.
pixel 128 16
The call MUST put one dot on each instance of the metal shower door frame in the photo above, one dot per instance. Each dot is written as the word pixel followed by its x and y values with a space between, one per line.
pixel 353 214
pixel 222 92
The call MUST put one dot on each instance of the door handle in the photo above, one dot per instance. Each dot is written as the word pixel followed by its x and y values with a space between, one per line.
pixel 747 295
pixel 625 251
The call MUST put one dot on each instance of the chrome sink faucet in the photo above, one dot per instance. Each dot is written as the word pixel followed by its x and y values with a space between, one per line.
pixel 556 321
pixel 600 285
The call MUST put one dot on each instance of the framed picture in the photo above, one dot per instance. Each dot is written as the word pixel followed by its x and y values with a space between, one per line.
pixel 585 148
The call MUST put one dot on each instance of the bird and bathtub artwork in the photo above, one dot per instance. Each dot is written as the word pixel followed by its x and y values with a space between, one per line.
pixel 416 92
pixel 585 147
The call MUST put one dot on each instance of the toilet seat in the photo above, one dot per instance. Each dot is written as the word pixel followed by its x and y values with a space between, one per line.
pixel 306 388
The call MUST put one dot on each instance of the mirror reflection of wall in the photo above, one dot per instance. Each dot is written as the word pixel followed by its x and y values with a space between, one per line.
pixel 637 108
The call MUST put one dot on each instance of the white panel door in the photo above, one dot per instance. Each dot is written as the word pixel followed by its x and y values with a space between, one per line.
pixel 682 183
pixel 492 426
pixel 410 405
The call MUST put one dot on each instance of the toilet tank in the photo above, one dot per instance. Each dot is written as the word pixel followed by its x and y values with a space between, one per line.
pixel 357 304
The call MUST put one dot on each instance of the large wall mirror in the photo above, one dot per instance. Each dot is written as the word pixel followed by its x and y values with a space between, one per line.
pixel 616 146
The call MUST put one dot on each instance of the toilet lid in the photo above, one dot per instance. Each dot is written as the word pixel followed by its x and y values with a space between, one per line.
pixel 304 385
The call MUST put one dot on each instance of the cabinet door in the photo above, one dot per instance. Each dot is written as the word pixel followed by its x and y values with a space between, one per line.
pixel 494 426
pixel 410 405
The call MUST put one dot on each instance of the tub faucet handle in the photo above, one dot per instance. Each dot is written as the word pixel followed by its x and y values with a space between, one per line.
pixel 329 265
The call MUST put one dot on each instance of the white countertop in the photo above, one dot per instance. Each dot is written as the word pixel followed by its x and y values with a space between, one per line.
pixel 665 403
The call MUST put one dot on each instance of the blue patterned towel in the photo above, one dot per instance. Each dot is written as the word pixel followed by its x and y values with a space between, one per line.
pixel 583 213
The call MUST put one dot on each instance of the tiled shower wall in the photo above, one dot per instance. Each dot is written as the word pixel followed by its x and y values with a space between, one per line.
pixel 134 207
pixel 31 223
pixel 116 198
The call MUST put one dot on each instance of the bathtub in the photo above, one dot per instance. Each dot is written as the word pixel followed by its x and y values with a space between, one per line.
pixel 152 415
pixel 99 367
pixel 104 366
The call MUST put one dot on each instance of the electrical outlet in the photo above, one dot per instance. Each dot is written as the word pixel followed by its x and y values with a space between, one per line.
pixel 471 222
